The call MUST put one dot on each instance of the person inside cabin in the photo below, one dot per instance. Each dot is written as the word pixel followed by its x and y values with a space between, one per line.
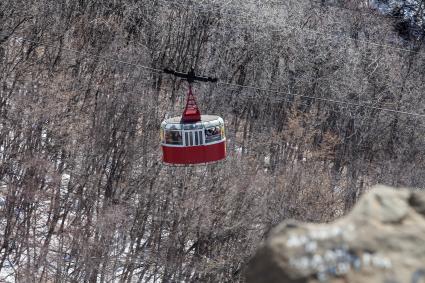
pixel 207 132
pixel 177 137
pixel 213 134
pixel 173 136
pixel 168 137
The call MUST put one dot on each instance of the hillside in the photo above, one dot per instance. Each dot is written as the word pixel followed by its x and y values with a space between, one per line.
pixel 321 100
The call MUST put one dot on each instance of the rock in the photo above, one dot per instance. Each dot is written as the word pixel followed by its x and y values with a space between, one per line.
pixel 381 240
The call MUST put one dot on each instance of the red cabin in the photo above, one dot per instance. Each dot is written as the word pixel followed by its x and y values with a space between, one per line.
pixel 192 138
pixel 203 141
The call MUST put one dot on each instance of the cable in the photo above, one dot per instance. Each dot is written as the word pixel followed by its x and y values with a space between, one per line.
pixel 338 37
pixel 326 100
pixel 280 99
pixel 125 62
pixel 271 100
pixel 84 53
pixel 155 70
pixel 275 100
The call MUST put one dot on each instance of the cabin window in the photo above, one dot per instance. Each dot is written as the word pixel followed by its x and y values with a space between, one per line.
pixel 173 137
pixel 213 134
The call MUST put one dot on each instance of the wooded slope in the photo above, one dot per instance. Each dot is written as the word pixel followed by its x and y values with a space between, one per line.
pixel 84 195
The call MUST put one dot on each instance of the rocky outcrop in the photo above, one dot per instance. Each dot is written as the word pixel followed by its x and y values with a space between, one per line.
pixel 381 240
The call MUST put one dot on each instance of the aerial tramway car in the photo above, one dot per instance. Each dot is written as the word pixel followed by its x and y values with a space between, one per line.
pixel 192 138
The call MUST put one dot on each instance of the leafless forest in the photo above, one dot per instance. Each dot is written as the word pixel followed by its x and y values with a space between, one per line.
pixel 84 196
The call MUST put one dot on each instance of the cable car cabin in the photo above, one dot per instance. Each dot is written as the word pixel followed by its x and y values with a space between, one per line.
pixel 202 141
pixel 192 138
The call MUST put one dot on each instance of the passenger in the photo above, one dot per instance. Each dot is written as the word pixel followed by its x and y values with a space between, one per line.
pixel 176 137
pixel 173 137
pixel 168 137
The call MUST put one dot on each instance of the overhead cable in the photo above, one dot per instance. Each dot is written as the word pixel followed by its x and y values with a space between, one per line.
pixel 156 70
pixel 84 53
pixel 325 99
